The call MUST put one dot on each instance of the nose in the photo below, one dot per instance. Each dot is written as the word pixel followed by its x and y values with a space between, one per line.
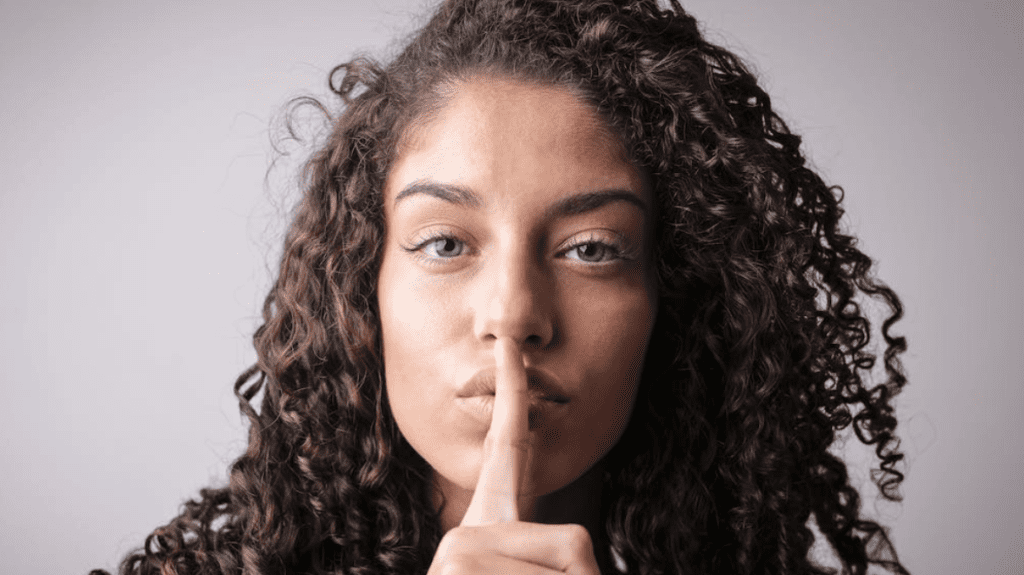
pixel 514 299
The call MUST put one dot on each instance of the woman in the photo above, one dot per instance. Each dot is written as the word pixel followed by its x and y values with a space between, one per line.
pixel 558 265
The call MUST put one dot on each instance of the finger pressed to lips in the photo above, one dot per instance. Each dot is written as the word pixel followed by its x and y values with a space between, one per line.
pixel 506 448
pixel 541 385
pixel 547 399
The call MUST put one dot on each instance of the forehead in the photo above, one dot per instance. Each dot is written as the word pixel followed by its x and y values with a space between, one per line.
pixel 515 107
pixel 511 130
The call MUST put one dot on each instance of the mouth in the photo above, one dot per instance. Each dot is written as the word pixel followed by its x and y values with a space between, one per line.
pixel 541 387
pixel 481 408
pixel 547 398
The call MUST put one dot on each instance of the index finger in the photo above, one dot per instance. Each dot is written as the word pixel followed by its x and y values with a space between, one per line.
pixel 506 450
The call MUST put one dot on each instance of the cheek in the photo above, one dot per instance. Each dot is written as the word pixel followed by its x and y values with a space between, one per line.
pixel 409 305
pixel 613 322
pixel 418 329
pixel 419 314
pixel 609 331
pixel 403 315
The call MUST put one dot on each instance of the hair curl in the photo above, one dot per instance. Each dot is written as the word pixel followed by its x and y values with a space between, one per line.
pixel 759 356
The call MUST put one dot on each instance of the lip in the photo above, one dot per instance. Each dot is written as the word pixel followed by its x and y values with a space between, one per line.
pixel 547 398
pixel 541 386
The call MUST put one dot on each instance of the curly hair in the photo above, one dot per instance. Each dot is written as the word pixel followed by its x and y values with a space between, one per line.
pixel 758 359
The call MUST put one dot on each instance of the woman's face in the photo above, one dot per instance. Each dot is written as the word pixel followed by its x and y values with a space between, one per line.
pixel 514 213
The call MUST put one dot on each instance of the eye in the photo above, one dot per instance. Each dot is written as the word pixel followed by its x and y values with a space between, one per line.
pixel 442 247
pixel 593 252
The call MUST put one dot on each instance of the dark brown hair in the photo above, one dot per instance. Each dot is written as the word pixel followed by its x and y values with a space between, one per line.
pixel 760 353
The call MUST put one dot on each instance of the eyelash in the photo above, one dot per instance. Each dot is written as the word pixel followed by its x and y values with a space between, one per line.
pixel 433 239
pixel 617 250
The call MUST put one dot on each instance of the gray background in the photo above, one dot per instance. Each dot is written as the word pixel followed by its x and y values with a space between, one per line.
pixel 137 232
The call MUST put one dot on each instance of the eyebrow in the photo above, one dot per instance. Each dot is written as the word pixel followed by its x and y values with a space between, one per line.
pixel 573 205
pixel 590 201
pixel 451 193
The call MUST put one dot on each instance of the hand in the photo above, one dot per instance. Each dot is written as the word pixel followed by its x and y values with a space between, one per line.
pixel 491 539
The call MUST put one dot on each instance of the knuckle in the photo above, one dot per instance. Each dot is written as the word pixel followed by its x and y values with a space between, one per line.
pixel 452 542
pixel 451 557
pixel 445 546
pixel 450 568
pixel 455 566
pixel 577 540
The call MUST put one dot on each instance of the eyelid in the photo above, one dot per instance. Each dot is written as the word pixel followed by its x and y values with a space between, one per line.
pixel 427 236
pixel 623 248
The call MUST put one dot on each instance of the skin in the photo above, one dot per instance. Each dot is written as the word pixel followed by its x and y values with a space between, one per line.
pixel 488 266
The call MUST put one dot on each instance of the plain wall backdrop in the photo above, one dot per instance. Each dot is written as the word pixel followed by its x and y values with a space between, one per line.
pixel 138 231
